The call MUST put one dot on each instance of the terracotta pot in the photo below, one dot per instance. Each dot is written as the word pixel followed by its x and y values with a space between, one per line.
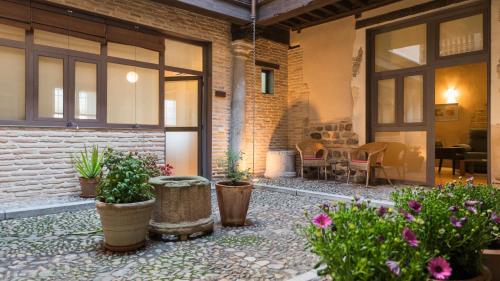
pixel 484 276
pixel 491 259
pixel 88 187
pixel 233 202
pixel 125 225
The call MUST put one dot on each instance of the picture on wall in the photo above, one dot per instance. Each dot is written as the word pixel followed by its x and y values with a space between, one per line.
pixel 446 112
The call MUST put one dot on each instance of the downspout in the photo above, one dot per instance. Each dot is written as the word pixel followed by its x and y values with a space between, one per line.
pixel 254 31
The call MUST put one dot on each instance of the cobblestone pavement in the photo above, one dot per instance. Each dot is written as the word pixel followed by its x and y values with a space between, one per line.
pixel 67 246
pixel 380 192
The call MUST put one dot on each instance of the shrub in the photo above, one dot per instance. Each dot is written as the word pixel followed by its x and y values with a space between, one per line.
pixel 231 165
pixel 89 166
pixel 359 243
pixel 126 180
pixel 457 222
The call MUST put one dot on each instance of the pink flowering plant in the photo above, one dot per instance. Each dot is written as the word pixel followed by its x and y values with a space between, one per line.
pixel 359 242
pixel 455 222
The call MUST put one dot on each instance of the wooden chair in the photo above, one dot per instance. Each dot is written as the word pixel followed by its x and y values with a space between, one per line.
pixel 312 154
pixel 367 157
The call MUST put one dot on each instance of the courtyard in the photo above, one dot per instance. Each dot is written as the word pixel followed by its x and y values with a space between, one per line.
pixel 67 246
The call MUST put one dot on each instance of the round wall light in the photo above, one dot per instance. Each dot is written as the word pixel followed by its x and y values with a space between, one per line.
pixel 132 77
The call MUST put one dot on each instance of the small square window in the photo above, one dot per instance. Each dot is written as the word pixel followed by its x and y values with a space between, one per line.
pixel 267 81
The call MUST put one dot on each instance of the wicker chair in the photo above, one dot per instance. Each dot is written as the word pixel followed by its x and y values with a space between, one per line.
pixel 367 157
pixel 312 154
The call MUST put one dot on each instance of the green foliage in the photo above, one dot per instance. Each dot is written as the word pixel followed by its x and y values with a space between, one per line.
pixel 471 208
pixel 231 165
pixel 88 165
pixel 126 180
pixel 359 242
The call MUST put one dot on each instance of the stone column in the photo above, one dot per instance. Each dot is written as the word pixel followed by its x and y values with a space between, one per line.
pixel 241 52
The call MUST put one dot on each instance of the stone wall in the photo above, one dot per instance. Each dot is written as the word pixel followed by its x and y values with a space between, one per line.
pixel 37 162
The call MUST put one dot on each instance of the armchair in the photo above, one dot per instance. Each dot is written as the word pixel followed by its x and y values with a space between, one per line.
pixel 367 157
pixel 312 154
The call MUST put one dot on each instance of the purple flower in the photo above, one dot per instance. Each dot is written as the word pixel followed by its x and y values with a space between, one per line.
pixel 408 216
pixel 470 180
pixel 439 268
pixel 393 267
pixel 410 237
pixel 453 209
pixel 439 186
pixel 381 238
pixel 381 211
pixel 415 206
pixel 495 218
pixel 471 203
pixel 322 221
pixel 458 223
pixel 472 209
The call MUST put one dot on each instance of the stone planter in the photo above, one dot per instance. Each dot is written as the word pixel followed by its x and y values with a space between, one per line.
pixel 88 187
pixel 125 225
pixel 233 202
pixel 491 258
pixel 183 207
pixel 280 163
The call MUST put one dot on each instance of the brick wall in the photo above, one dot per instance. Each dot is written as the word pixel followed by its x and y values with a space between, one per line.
pixel 37 162
pixel 270 109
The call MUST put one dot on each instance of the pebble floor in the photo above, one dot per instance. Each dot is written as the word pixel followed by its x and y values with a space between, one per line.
pixel 67 246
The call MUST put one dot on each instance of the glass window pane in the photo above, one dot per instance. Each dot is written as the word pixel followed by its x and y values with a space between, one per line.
pixel 263 78
pixel 133 95
pixel 85 90
pixel 62 41
pixel 414 99
pixel 401 48
pixel 12 33
pixel 183 55
pixel 406 155
pixel 386 101
pixel 461 36
pixel 181 103
pixel 181 151
pixel 133 53
pixel 50 87
pixel 12 84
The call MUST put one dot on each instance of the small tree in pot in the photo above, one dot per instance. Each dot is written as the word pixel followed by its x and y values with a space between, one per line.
pixel 89 166
pixel 125 200
pixel 233 194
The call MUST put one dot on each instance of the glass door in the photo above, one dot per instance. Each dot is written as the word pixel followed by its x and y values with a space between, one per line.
pixel 183 126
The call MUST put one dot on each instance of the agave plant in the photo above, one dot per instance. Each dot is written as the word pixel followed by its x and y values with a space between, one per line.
pixel 89 164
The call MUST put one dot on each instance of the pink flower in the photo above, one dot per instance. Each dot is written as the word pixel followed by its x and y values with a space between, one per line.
pixel 322 221
pixel 393 267
pixel 439 268
pixel 458 223
pixel 408 216
pixel 410 237
pixel 415 206
pixel 381 211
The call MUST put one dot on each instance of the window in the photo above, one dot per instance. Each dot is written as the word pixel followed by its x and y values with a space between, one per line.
pixel 85 90
pixel 133 95
pixel 132 53
pixel 267 81
pixel 50 87
pixel 183 55
pixel 12 84
pixel 401 48
pixel 62 41
pixel 460 36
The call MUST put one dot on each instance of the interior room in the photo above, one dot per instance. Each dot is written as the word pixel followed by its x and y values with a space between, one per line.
pixel 461 122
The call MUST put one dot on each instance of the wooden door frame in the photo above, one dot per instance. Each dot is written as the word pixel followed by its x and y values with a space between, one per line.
pixel 434 61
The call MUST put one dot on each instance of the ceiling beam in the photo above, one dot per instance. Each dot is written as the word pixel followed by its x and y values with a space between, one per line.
pixel 216 8
pixel 341 7
pixel 279 10
pixel 350 12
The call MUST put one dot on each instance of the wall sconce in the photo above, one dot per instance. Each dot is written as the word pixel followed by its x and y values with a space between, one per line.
pixel 451 95
pixel 132 77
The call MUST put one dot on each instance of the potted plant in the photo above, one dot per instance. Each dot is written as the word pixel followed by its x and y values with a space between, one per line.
pixel 125 201
pixel 89 166
pixel 453 223
pixel 356 242
pixel 233 194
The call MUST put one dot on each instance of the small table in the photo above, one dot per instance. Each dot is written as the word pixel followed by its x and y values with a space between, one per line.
pixel 451 153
